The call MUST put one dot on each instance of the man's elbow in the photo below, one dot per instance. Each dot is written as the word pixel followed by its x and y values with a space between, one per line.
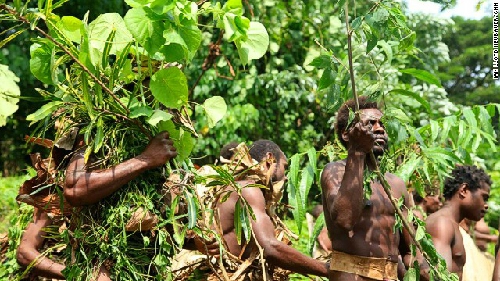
pixel 73 197
pixel 271 250
pixel 23 256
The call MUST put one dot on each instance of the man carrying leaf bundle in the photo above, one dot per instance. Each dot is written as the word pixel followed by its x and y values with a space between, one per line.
pixel 364 244
pixel 270 174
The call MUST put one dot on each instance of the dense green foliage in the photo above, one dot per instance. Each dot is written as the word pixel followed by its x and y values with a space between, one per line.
pixel 113 80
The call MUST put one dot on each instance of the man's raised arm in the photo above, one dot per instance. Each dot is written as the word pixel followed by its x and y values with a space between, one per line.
pixel 344 191
pixel 84 187
pixel 277 252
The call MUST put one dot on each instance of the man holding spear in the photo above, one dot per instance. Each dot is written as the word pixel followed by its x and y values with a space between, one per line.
pixel 361 229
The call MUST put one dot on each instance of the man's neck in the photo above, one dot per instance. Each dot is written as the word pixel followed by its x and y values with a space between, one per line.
pixel 454 211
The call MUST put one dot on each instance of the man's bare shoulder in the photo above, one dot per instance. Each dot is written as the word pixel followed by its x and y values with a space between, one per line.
pixel 439 223
pixel 397 184
pixel 332 172
pixel 333 168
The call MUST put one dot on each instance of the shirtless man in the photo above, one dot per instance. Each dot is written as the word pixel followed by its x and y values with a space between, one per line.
pixel 364 244
pixel 276 252
pixel 466 192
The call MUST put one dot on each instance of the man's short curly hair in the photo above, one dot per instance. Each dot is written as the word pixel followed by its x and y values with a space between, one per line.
pixel 471 175
pixel 227 151
pixel 261 147
pixel 343 114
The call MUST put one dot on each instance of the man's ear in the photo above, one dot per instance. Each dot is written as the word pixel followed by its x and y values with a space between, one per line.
pixel 345 136
pixel 269 159
pixel 462 190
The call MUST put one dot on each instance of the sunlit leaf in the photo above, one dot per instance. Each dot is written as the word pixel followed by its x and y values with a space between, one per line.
pixel 215 108
pixel 169 86
pixel 255 45
pixel 422 75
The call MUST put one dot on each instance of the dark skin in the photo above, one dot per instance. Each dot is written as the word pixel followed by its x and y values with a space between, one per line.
pixel 87 187
pixel 482 235
pixel 355 227
pixel 443 225
pixel 28 251
pixel 276 252
pixel 31 241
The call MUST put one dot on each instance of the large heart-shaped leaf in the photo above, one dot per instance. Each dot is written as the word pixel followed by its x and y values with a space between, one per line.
pixel 255 45
pixel 169 86
pixel 148 32
pixel 215 108
pixel 40 62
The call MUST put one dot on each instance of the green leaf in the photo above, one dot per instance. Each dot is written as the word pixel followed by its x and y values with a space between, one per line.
pixel 183 141
pixel 372 42
pixel 356 23
pixel 422 75
pixel 40 62
pixel 157 116
pixel 137 3
pixel 469 117
pixel 434 129
pixel 44 111
pixel 380 15
pixel 293 190
pixel 293 172
pixel 238 214
pixel 323 61
pixel 420 233
pixel 192 209
pixel 215 108
pixel 406 170
pixel 318 226
pixel 387 49
pixel 255 45
pixel 101 27
pixel 9 93
pixel 148 32
pixel 99 136
pixel 169 86
pixel 175 49
pixel 415 96
pixel 411 275
pixel 327 79
pixel 71 27
pixel 191 35
pixel 141 110
pixel 235 26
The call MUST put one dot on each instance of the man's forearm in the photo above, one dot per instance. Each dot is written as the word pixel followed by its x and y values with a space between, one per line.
pixel 287 257
pixel 42 266
pixel 348 204
pixel 92 186
pixel 49 269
